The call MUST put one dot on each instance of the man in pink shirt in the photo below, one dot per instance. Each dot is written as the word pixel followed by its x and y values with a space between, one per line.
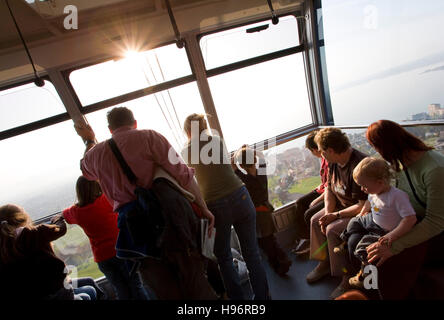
pixel 144 151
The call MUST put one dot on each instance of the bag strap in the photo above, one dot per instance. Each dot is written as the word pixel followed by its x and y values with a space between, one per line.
pixel 413 189
pixel 125 167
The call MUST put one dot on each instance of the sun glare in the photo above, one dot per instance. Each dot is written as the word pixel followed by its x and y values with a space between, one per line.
pixel 131 54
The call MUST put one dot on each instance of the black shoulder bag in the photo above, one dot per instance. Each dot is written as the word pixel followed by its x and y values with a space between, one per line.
pixel 145 221
pixel 413 189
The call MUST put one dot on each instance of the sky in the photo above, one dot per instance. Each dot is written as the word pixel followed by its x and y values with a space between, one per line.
pixel 377 53
pixel 385 59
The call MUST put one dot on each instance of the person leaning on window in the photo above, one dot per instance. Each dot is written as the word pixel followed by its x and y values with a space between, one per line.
pixel 145 151
pixel 256 183
pixel 95 215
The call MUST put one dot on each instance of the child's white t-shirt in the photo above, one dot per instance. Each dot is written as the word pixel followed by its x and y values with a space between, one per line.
pixel 390 207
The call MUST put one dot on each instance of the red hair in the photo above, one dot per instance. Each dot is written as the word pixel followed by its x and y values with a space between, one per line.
pixel 393 142
pixel 352 295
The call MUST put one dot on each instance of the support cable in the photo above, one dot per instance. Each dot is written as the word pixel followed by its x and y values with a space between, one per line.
pixel 274 17
pixel 39 82
pixel 180 43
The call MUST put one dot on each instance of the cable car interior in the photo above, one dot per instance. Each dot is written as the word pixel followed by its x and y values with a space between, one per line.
pixel 266 74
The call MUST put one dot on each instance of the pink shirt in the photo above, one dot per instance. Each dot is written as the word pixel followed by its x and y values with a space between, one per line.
pixel 143 150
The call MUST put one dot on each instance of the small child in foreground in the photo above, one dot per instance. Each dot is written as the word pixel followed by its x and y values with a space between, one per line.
pixel 386 216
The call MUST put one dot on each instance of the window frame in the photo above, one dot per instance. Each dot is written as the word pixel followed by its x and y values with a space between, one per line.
pixel 35 125
pixel 127 96
pixel 301 48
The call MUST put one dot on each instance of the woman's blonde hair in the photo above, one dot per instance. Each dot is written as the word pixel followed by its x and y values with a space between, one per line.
pixel 199 118
pixel 373 168
pixel 11 218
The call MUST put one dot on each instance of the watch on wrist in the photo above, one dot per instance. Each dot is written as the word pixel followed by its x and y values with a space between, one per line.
pixel 338 215
pixel 88 142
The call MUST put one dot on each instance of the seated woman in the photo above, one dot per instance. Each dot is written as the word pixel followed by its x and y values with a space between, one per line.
pixel 420 173
pixel 312 202
pixel 94 214
pixel 228 200
pixel 257 186
pixel 343 200
pixel 29 269
pixel 386 216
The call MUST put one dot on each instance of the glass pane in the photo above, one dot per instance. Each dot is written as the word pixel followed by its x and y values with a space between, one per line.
pixel 238 44
pixel 431 135
pixel 296 172
pixel 28 103
pixel 384 59
pixel 75 250
pixel 39 169
pixel 137 71
pixel 164 112
pixel 260 105
pixel 293 171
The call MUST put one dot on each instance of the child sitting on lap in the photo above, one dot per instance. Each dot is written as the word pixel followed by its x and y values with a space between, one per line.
pixel 386 216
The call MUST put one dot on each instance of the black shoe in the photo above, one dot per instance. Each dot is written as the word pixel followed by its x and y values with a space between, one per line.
pixel 283 267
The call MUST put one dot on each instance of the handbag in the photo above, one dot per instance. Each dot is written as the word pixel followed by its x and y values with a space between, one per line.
pixel 145 221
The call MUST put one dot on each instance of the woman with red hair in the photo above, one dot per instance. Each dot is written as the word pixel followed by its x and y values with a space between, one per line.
pixel 420 173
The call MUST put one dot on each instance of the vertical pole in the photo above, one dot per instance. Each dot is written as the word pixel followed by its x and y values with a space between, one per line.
pixel 198 67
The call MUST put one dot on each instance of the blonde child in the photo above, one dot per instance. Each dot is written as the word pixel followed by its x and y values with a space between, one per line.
pixel 386 216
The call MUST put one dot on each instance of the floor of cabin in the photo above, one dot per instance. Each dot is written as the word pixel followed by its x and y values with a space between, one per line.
pixel 294 286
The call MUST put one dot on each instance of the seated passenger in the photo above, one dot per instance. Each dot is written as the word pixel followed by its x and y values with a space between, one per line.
pixel 386 216
pixel 257 186
pixel 420 173
pixel 343 200
pixel 228 199
pixel 29 269
pixel 311 203
pixel 94 214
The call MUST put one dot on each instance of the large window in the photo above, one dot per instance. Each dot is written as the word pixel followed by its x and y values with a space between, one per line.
pixel 253 105
pixel 28 103
pixel 384 59
pixel 431 135
pixel 39 169
pixel 75 250
pixel 263 100
pixel 137 71
pixel 292 172
pixel 256 39
pixel 164 112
